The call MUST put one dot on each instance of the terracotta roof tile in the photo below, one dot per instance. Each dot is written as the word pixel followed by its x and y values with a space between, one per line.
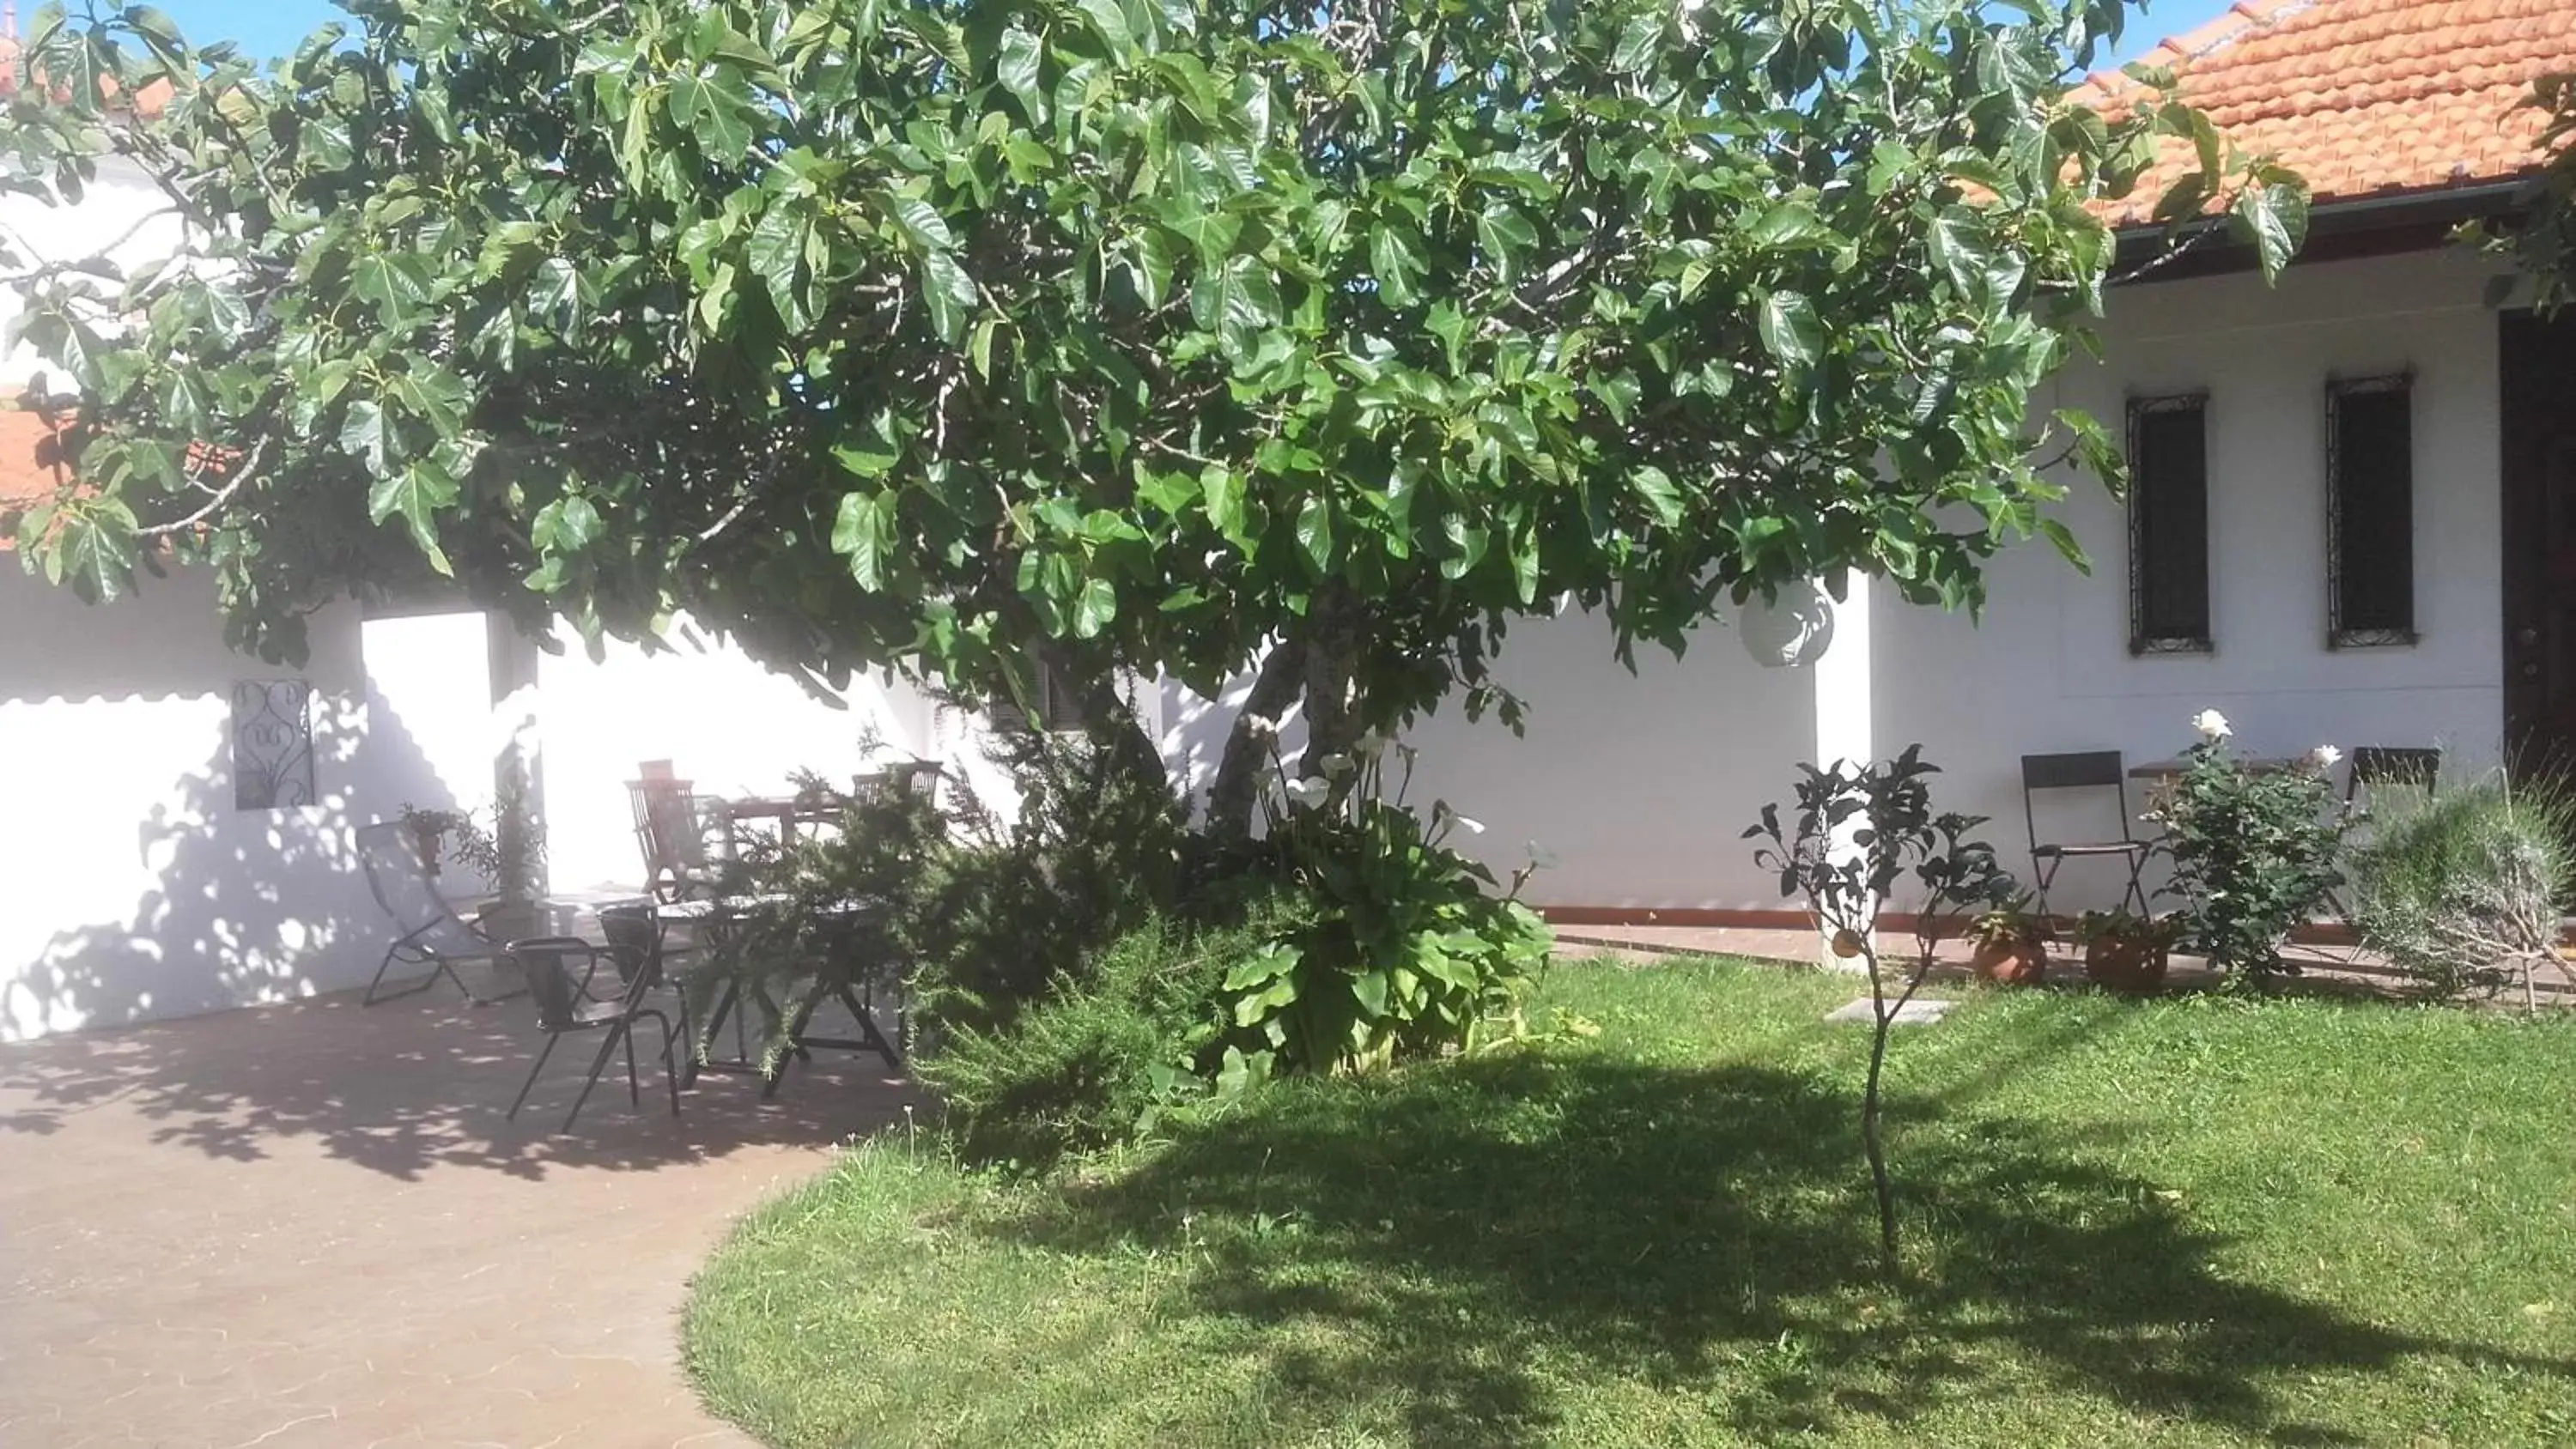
pixel 2363 97
pixel 21 476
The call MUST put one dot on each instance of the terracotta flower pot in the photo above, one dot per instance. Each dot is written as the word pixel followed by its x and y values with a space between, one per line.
pixel 2130 966
pixel 2011 960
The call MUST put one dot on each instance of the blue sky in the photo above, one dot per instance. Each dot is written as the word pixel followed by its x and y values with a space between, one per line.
pixel 272 27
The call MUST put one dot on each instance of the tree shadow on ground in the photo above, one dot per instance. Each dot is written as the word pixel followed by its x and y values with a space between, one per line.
pixel 1466 1249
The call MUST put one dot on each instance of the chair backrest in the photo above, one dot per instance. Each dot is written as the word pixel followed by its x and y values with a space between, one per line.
pixel 634 942
pixel 2392 765
pixel 554 967
pixel 389 852
pixel 2075 770
pixel 668 826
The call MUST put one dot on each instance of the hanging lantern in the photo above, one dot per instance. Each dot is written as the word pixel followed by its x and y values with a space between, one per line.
pixel 1790 631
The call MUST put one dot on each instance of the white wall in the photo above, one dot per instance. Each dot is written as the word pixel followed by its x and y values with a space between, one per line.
pixel 727 724
pixel 2048 668
pixel 1638 785
pixel 130 886
pixel 122 216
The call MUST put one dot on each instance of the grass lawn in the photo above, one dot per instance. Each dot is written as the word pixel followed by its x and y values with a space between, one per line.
pixel 2178 1222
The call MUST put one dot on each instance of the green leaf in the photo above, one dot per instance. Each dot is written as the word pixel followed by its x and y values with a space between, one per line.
pixel 1655 487
pixel 1094 608
pixel 1019 66
pixel 1641 41
pixel 949 292
pixel 1395 256
pixel 1315 532
pixel 918 220
pixel 1223 489
pixel 776 250
pixel 2275 219
pixel 863 532
pixel 570 524
pixel 366 432
pixel 398 283
pixel 1237 302
pixel 1790 330
pixel 1790 224
pixel 1153 265
pixel 1109 21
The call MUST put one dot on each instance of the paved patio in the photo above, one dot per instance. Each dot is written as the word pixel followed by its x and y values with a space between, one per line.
pixel 309 1225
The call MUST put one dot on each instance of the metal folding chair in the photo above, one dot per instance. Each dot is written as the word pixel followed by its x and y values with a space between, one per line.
pixel 2085 770
pixel 564 1006
pixel 433 935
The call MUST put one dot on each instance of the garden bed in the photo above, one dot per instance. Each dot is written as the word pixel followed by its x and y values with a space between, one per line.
pixel 2189 1221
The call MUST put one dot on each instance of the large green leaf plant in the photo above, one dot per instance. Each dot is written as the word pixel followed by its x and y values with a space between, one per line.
pixel 1103 334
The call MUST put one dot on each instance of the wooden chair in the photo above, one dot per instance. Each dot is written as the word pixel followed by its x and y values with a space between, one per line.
pixel 671 835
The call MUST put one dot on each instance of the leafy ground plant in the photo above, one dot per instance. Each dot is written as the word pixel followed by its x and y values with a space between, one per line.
pixel 1409 947
pixel 2463 886
pixel 2186 1223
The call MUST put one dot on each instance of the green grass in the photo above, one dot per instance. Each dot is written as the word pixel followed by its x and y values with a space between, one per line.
pixel 2178 1222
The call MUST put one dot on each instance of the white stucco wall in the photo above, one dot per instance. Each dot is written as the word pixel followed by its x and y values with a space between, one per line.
pixel 121 216
pixel 1637 785
pixel 2048 668
pixel 134 889
pixel 727 724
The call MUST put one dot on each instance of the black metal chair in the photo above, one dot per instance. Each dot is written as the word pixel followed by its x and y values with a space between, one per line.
pixel 433 934
pixel 564 1006
pixel 639 946
pixel 2377 767
pixel 2084 770
pixel 2416 766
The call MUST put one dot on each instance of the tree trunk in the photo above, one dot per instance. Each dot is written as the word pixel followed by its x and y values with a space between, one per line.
pixel 1332 652
pixel 1238 773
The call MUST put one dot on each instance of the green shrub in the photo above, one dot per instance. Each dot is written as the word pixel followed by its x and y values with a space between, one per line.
pixel 2253 854
pixel 1102 1056
pixel 2455 887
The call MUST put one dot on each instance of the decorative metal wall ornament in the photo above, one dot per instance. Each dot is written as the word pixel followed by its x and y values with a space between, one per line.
pixel 272 744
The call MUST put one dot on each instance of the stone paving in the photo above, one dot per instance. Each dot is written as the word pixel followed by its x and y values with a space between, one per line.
pixel 309 1225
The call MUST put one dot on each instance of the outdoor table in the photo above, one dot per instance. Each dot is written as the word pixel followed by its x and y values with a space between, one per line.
pixel 714 917
pixel 2161 772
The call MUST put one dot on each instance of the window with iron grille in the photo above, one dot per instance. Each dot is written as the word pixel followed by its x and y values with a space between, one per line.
pixel 2169 524
pixel 2370 511
pixel 1058 707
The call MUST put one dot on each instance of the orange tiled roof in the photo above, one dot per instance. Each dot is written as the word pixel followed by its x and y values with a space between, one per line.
pixel 21 476
pixel 2364 97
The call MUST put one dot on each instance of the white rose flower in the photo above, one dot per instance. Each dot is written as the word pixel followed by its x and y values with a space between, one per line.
pixel 1310 792
pixel 2212 725
pixel 2325 757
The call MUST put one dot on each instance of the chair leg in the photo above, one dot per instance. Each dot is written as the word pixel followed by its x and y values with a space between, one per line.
pixel 393 954
pixel 598 1064
pixel 634 1097
pixel 2043 870
pixel 531 1082
pixel 670 1062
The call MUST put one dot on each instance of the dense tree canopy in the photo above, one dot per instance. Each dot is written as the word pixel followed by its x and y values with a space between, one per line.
pixel 1119 333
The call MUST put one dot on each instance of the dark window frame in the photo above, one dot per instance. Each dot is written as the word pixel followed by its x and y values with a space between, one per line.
pixel 2142 638
pixel 2341 633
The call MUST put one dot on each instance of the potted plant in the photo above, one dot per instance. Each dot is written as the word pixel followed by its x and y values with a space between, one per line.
pixel 2009 946
pixel 429 832
pixel 2124 951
